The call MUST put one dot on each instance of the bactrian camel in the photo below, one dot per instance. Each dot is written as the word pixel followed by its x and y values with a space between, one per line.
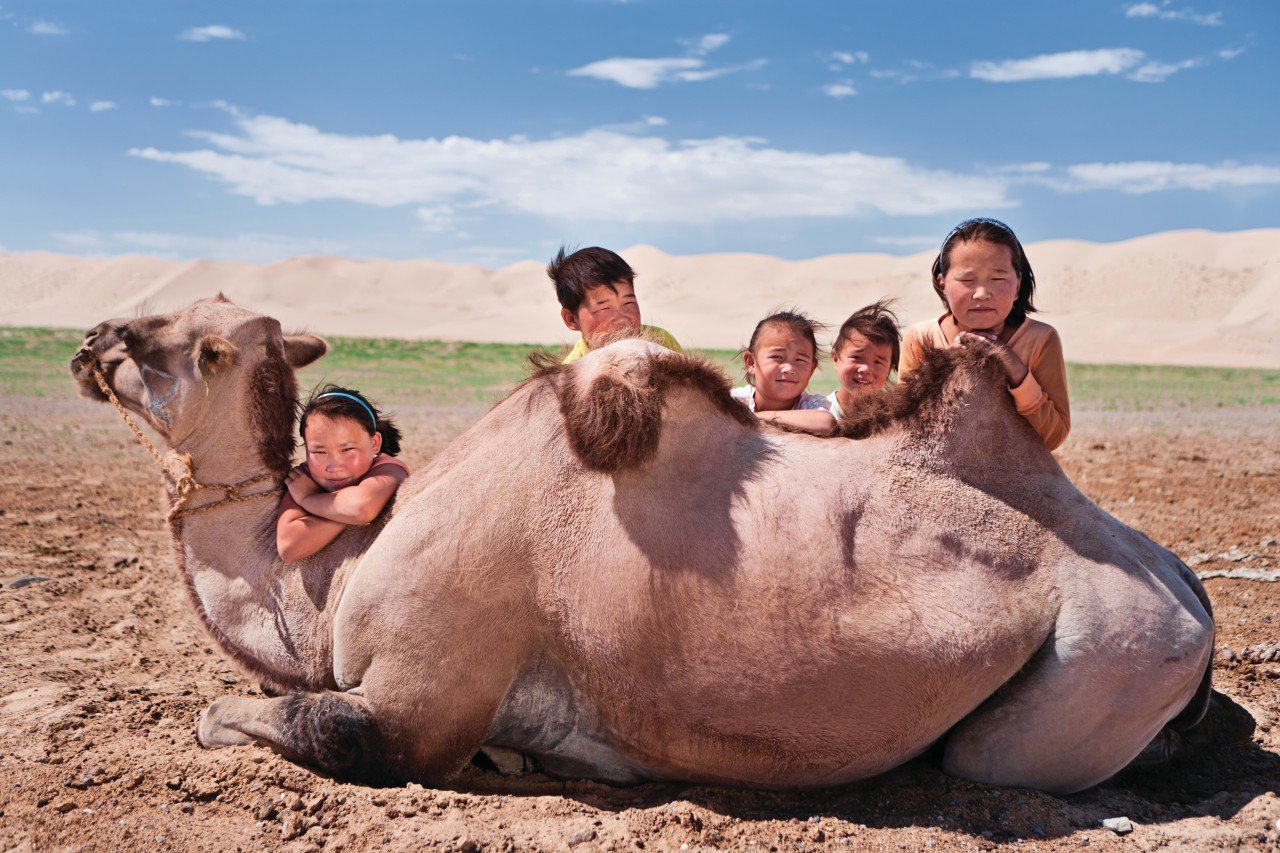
pixel 619 574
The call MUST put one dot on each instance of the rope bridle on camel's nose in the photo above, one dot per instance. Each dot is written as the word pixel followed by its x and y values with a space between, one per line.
pixel 184 482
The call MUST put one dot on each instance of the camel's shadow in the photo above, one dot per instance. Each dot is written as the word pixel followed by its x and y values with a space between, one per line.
pixel 917 794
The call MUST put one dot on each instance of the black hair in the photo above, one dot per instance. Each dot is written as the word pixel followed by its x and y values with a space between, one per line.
pixel 877 324
pixel 990 231
pixel 793 320
pixel 583 270
pixel 333 400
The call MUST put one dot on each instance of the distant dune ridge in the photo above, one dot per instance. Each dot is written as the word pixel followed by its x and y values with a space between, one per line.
pixel 1182 297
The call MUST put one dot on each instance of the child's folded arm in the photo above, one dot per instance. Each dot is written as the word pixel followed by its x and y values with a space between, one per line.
pixel 1042 396
pixel 816 421
pixel 359 503
pixel 299 534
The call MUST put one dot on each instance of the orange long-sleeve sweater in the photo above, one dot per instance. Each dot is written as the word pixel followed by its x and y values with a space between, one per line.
pixel 1041 398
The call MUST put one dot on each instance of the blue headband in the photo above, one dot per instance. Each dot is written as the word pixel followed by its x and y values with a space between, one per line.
pixel 362 403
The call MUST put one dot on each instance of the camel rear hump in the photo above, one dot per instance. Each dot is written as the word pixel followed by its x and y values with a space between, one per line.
pixel 614 400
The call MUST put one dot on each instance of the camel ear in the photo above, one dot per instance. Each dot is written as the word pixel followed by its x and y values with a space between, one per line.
pixel 215 354
pixel 301 350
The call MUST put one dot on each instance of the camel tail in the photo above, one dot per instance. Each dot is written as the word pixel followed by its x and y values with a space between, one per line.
pixel 615 421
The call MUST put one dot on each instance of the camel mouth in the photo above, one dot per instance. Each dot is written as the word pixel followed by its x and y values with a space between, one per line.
pixel 82 367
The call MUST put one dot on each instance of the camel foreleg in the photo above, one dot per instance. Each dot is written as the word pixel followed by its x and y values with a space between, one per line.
pixel 332 732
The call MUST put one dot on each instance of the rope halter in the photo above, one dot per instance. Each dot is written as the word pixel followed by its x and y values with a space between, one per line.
pixel 185 484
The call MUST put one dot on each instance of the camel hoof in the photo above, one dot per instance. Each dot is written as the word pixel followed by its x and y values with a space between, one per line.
pixel 212 731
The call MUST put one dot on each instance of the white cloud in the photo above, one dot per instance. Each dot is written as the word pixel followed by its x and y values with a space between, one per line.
pixel 710 42
pixel 1165 13
pixel 597 175
pixel 645 123
pixel 58 97
pixel 641 73
pixel 842 89
pixel 1158 72
pixel 1056 66
pixel 15 95
pixel 253 248
pixel 48 28
pixel 160 102
pixel 914 72
pixel 102 106
pixel 1139 177
pixel 211 33
pixel 843 58
pixel 438 219
pixel 1230 52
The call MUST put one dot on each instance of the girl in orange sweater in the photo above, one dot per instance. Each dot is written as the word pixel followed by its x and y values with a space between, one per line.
pixel 985 282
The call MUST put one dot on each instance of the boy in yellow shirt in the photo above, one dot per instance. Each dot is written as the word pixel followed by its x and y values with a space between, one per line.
pixel 597 294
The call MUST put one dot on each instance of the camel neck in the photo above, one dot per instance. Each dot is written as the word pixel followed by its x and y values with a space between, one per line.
pixel 272 617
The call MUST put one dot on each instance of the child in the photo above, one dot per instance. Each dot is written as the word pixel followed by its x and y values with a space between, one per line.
pixel 985 281
pixel 350 474
pixel 865 351
pixel 780 359
pixel 597 293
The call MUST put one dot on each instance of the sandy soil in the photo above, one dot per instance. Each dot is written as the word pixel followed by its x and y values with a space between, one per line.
pixel 105 670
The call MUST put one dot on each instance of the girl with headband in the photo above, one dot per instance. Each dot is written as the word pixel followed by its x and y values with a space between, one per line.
pixel 350 475
pixel 985 282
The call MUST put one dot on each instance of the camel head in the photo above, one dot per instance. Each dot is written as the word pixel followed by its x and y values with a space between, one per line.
pixel 183 372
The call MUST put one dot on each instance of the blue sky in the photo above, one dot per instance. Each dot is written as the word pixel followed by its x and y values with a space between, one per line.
pixel 493 132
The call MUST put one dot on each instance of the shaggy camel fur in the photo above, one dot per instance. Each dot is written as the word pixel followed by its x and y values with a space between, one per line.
pixel 620 574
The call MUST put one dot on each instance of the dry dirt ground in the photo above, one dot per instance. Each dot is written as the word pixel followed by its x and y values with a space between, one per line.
pixel 105 670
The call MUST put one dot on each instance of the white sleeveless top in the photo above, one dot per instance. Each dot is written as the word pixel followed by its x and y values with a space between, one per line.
pixel 746 395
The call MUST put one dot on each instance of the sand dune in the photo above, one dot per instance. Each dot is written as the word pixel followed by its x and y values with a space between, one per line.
pixel 1183 297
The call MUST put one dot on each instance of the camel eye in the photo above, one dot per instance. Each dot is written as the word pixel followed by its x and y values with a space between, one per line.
pixel 127 336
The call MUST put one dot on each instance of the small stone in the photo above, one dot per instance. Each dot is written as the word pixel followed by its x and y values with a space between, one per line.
pixel 175 783
pixel 1084 842
pixel 19 583
pixel 65 808
pixel 187 808
pixel 1119 825
pixel 580 837
pixel 1267 541
pixel 294 825
pixel 470 845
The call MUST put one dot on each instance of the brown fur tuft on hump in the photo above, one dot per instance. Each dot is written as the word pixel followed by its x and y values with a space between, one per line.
pixel 273 395
pixel 617 422
pixel 920 397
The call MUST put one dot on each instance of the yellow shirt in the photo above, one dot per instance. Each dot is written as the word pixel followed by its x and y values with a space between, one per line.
pixel 1042 396
pixel 653 333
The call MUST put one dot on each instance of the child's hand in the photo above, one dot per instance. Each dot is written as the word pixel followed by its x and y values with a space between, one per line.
pixel 1012 364
pixel 300 484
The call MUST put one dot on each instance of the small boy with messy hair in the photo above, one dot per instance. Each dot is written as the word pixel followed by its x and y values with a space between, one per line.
pixel 597 294
pixel 865 351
